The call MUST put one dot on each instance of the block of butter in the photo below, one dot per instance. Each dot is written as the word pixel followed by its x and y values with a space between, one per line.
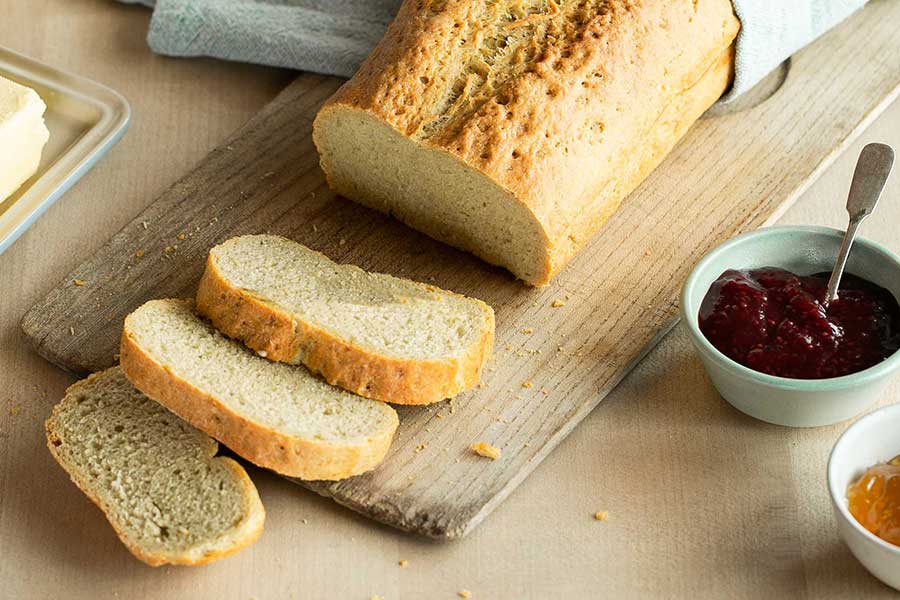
pixel 23 135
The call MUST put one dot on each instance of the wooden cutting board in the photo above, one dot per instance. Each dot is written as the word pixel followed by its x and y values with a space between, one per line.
pixel 559 350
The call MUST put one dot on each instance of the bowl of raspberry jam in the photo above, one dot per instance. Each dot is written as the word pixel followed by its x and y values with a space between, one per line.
pixel 774 348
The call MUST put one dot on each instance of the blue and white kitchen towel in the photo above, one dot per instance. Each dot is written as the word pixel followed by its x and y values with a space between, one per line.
pixel 334 36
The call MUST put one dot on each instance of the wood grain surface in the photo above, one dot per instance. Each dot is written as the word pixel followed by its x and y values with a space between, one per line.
pixel 552 364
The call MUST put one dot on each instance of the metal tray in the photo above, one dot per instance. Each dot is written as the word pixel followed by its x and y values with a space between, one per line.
pixel 85 119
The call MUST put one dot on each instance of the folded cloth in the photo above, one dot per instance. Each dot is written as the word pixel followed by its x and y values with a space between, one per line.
pixel 334 36
pixel 773 30
pixel 323 36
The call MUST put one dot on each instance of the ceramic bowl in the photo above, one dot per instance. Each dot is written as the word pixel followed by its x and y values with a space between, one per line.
pixel 872 440
pixel 793 402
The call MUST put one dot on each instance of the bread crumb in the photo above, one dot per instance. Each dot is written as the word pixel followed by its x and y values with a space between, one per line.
pixel 481 385
pixel 438 415
pixel 78 282
pixel 403 562
pixel 421 447
pixel 262 353
pixel 464 594
pixel 315 228
pixel 486 450
pixel 601 515
pixel 557 304
pixel 180 237
pixel 71 330
pixel 545 392
pixel 528 330
pixel 342 242
pixel 527 384
pixel 169 249
pixel 139 253
pixel 144 224
pixel 647 252
pixel 304 521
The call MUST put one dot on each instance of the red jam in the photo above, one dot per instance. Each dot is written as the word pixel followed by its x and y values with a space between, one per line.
pixel 775 322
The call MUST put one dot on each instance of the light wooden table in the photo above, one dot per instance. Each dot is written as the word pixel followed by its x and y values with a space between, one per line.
pixel 704 502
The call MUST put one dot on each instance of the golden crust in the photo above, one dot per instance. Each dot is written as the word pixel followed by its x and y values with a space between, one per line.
pixel 581 91
pixel 241 537
pixel 267 328
pixel 261 445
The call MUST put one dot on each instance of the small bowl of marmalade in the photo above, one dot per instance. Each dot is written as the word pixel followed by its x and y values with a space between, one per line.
pixel 773 347
pixel 864 484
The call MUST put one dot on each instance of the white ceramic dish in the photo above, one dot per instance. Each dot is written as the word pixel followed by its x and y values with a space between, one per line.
pixel 781 400
pixel 873 439
pixel 85 119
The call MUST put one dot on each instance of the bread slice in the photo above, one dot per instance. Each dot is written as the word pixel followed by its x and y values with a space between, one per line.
pixel 278 416
pixel 514 130
pixel 375 335
pixel 169 497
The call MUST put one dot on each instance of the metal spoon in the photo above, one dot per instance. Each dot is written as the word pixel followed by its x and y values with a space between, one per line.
pixel 872 170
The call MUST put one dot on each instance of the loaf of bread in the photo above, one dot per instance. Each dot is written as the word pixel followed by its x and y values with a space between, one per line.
pixel 375 335
pixel 169 497
pixel 514 129
pixel 277 416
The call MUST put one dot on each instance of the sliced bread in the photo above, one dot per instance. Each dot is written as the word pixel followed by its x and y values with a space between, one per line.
pixel 375 335
pixel 169 497
pixel 278 416
pixel 514 130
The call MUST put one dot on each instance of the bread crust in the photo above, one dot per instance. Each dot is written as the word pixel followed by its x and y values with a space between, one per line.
pixel 240 537
pixel 261 445
pixel 568 133
pixel 268 328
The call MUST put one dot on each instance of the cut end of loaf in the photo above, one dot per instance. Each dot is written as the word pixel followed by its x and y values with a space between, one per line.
pixel 429 189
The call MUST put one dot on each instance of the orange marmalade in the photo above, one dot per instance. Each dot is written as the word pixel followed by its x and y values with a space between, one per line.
pixel 874 500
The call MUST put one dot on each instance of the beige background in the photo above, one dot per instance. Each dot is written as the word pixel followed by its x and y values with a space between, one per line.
pixel 704 502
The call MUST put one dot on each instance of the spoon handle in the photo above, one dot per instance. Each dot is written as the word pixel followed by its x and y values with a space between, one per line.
pixel 841 262
pixel 872 171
